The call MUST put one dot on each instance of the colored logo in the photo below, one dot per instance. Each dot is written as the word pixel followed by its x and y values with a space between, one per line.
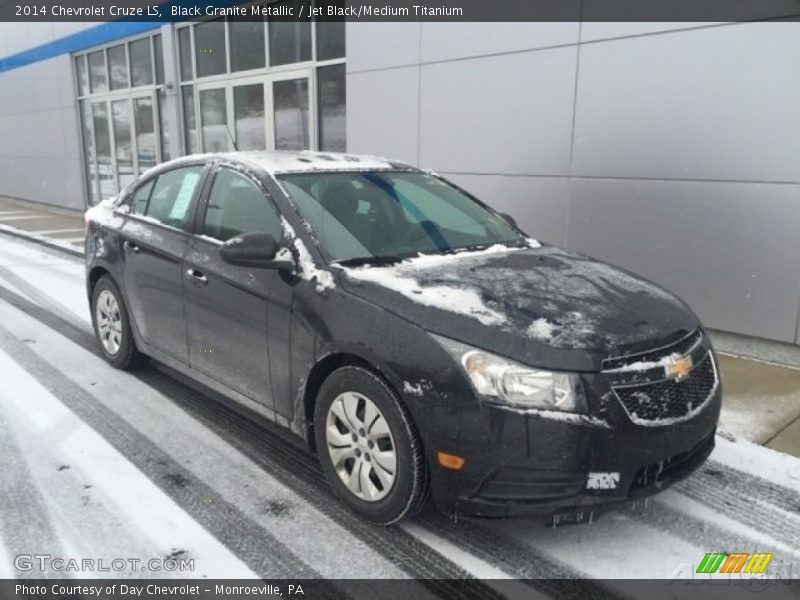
pixel 679 368
pixel 735 562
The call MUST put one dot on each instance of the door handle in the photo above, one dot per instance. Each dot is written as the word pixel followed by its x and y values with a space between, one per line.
pixel 129 246
pixel 197 276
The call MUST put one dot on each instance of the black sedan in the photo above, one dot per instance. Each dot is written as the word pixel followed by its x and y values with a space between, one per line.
pixel 415 339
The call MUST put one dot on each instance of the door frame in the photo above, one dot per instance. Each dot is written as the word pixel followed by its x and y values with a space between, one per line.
pixel 306 73
pixel 266 82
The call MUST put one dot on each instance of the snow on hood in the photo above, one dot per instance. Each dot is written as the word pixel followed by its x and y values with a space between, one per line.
pixel 450 296
pixel 544 294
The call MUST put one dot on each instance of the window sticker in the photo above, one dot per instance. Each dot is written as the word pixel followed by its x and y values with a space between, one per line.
pixel 184 196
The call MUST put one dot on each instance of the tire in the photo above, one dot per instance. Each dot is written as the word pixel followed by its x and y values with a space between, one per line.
pixel 116 342
pixel 355 444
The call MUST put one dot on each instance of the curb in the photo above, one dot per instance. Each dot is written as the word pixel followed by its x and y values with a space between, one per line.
pixel 36 238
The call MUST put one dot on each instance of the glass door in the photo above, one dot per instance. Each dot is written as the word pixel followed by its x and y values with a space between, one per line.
pixel 249 114
pixel 290 114
pixel 104 160
pixel 216 133
pixel 123 141
pixel 257 113
pixel 144 126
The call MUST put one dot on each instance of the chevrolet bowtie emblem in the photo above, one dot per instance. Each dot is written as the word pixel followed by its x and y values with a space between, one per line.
pixel 679 368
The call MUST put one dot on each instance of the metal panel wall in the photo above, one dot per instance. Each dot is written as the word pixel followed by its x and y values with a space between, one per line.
pixel 40 146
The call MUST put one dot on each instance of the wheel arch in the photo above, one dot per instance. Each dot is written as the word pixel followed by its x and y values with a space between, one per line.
pixel 320 372
pixel 94 276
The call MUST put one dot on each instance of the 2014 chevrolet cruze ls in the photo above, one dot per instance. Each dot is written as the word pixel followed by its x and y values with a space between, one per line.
pixel 415 339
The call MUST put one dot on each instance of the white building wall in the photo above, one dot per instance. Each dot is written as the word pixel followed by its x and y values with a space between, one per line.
pixel 40 151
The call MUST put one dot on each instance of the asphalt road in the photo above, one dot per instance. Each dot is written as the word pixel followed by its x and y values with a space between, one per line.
pixel 100 463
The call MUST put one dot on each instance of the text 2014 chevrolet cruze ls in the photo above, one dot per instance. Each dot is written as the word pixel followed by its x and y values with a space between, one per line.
pixel 415 339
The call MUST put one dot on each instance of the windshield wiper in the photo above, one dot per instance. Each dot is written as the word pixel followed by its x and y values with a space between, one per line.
pixel 484 246
pixel 370 260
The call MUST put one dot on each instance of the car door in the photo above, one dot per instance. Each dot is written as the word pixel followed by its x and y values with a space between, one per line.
pixel 154 240
pixel 227 306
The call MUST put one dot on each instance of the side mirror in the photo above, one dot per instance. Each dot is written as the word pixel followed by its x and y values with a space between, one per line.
pixel 255 250
pixel 510 220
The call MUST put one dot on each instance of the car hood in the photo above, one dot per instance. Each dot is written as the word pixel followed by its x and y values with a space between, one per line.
pixel 543 306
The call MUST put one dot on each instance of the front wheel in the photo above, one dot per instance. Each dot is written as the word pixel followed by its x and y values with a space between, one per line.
pixel 369 448
pixel 112 327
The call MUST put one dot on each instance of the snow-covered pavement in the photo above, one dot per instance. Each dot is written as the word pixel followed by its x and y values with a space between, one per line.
pixel 103 464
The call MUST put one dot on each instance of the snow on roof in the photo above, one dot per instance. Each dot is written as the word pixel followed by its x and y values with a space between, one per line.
pixel 275 162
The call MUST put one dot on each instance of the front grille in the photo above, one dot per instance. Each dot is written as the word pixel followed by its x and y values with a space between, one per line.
pixel 682 346
pixel 669 400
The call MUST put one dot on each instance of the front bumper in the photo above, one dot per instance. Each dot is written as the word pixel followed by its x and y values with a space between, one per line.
pixel 527 465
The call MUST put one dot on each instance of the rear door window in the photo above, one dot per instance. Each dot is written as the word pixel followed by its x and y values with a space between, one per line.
pixel 171 197
pixel 237 205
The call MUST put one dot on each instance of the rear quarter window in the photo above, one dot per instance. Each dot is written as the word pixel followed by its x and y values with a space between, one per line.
pixel 140 197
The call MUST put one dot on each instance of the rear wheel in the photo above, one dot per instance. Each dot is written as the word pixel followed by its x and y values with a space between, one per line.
pixel 369 448
pixel 112 327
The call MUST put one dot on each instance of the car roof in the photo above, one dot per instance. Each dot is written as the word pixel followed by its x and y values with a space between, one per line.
pixel 300 161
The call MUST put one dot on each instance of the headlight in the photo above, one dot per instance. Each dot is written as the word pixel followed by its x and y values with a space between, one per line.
pixel 504 381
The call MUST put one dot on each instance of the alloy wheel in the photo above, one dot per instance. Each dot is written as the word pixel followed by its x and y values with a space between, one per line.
pixel 361 446
pixel 109 322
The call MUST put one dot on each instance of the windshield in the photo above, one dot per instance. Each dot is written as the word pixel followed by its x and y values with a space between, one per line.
pixel 361 217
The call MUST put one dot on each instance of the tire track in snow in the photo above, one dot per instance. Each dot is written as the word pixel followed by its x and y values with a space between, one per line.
pixel 300 471
pixel 296 467
pixel 551 577
pixel 238 533
pixel 36 295
pixel 24 517
pixel 751 485
pixel 705 489
pixel 660 515
pixel 427 561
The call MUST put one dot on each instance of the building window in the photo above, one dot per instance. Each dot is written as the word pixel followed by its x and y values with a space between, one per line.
pixel 249 116
pixel 289 41
pixel 118 67
pixel 331 107
pixel 123 133
pixel 189 121
pixel 123 146
pixel 145 126
pixel 98 76
pixel 330 40
pixel 158 56
pixel 290 103
pixel 247 45
pixel 185 47
pixel 82 75
pixel 141 62
pixel 209 48
pixel 214 120
pixel 262 85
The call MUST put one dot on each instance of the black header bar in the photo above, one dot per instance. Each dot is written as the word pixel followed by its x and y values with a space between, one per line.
pixel 704 11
